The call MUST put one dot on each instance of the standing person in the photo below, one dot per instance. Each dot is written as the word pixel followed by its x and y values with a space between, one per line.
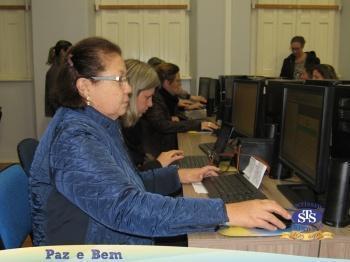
pixel 83 187
pixel 161 123
pixel 298 61
pixel 55 58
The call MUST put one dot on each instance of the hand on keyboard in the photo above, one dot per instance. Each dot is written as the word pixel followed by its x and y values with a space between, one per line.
pixel 192 175
pixel 257 213
pixel 166 158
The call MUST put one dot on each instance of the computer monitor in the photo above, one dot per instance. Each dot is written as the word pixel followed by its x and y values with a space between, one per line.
pixel 203 88
pixel 305 139
pixel 213 97
pixel 273 103
pixel 247 108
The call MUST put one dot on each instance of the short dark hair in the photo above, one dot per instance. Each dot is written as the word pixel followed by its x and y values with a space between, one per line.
pixel 155 61
pixel 298 39
pixel 327 71
pixel 167 71
pixel 84 59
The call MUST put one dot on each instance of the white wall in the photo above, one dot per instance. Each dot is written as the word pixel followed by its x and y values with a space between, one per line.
pixel 210 26
pixel 240 37
pixel 54 20
pixel 18 119
pixel 207 21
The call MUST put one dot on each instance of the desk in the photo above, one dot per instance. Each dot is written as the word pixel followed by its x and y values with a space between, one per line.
pixel 338 247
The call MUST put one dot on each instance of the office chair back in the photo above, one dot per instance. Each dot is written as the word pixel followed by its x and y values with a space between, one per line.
pixel 15 218
pixel 26 150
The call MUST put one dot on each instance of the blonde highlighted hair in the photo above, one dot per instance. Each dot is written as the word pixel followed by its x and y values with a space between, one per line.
pixel 141 77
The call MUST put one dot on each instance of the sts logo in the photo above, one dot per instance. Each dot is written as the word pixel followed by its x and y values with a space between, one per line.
pixel 307 216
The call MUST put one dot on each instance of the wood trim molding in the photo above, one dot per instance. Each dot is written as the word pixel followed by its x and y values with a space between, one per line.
pixel 15 7
pixel 141 7
pixel 298 7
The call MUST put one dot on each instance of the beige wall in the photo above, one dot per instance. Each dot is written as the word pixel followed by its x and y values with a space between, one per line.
pixel 344 49
pixel 18 119
pixel 23 102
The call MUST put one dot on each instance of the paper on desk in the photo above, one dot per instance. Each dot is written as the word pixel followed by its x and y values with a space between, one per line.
pixel 255 171
pixel 199 188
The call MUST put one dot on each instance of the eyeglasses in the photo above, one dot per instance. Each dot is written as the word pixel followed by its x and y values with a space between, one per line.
pixel 121 80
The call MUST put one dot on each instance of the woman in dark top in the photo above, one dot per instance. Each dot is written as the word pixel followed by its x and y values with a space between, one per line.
pixel 296 63
pixel 161 124
pixel 144 80
pixel 55 59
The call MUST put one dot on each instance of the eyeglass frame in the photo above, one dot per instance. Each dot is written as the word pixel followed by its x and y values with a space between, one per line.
pixel 122 80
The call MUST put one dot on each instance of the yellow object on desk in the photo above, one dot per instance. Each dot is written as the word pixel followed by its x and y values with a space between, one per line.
pixel 225 167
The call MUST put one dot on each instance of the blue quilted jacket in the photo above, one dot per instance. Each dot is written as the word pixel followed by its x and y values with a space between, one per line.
pixel 84 189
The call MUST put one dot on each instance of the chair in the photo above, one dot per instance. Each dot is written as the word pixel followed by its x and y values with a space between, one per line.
pixel 26 149
pixel 15 218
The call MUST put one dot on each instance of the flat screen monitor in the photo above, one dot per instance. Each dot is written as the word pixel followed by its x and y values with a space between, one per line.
pixel 305 133
pixel 203 88
pixel 246 109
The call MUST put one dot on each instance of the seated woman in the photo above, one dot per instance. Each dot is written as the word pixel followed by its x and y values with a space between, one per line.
pixel 186 100
pixel 143 79
pixel 83 187
pixel 323 72
pixel 161 123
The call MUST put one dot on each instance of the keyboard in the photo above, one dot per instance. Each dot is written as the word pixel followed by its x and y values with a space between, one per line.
pixel 193 161
pixel 207 147
pixel 231 188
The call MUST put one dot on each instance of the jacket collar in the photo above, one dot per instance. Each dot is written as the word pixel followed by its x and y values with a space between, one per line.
pixel 99 118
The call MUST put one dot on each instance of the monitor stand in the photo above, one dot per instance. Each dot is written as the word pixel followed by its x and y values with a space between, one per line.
pixel 301 193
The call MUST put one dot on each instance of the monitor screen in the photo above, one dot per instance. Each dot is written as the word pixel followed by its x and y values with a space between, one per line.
pixel 228 90
pixel 301 131
pixel 244 107
pixel 203 88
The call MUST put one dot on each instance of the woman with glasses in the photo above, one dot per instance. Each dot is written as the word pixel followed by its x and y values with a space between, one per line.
pixel 298 61
pixel 83 186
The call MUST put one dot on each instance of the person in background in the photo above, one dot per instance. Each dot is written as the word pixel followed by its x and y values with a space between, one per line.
pixel 306 74
pixel 186 100
pixel 55 58
pixel 160 123
pixel 83 186
pixel 143 80
pixel 295 64
pixel 324 71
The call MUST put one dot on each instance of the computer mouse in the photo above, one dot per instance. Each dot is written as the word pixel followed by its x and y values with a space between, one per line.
pixel 287 222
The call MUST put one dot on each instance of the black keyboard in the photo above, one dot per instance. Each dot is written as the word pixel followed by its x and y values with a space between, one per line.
pixel 231 188
pixel 193 161
pixel 207 147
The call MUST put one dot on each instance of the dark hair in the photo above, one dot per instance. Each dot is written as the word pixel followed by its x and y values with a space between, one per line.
pixel 55 51
pixel 298 39
pixel 155 61
pixel 84 59
pixel 167 71
pixel 327 71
